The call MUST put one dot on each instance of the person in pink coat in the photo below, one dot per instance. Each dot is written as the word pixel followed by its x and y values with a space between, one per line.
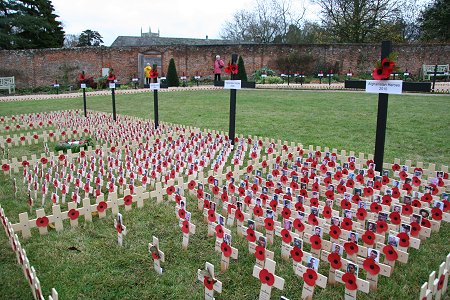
pixel 218 66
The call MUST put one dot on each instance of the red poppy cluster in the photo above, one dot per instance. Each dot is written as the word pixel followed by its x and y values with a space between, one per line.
pixel 231 68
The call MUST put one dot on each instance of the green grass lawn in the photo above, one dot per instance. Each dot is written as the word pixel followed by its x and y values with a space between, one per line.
pixel 418 129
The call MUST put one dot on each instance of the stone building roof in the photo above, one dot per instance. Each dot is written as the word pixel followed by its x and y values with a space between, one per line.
pixel 137 41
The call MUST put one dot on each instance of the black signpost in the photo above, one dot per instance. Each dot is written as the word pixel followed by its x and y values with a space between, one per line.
pixel 83 86
pixel 113 96
pixel 234 58
pixel 155 107
pixel 386 49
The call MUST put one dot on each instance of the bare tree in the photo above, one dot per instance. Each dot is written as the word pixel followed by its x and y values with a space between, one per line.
pixel 71 40
pixel 357 21
pixel 268 22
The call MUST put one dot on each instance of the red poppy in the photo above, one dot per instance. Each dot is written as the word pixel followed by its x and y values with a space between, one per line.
pixel 44 160
pixel 257 210
pixel 347 224
pixel 42 222
pixel 382 226
pixel 8 140
pixel 260 253
pixel 395 218
pixel 395 167
pixel 155 255
pixel 441 282
pixel 250 169
pixel 127 200
pixel 208 283
pixel 313 220
pixel 446 205
pixel 185 226
pixel 215 190
pixel 351 248
pixel 436 214
pixel 345 204
pixel 335 260
pixel 415 228
pixel 211 215
pixel 390 252
pixel 101 206
pixel 360 178
pixel 361 214
pixel 73 214
pixel 335 232
pixel 5 167
pixel 368 237
pixel 426 223
pixel 416 203
pixel 350 281
pixel 326 212
pixel 329 195
pixel 350 183
pixel 371 266
pixel 407 187
pixel 286 213
pixel 395 193
pixel 377 185
pixel 407 210
pixel 316 242
pixel 298 225
pixel 266 277
pixel 426 197
pixel 296 254
pixel 286 236
pixel 368 191
pixel 386 200
pixel 268 224
pixel 314 202
pixel 25 163
pixel 251 237
pixel 310 277
pixel 181 213
pixel 239 215
pixel 191 185
pixel 226 249
pixel 404 239
pixel 375 207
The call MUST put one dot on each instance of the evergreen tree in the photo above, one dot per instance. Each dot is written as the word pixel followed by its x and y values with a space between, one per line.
pixel 172 76
pixel 242 74
pixel 435 21
pixel 29 24
pixel 90 38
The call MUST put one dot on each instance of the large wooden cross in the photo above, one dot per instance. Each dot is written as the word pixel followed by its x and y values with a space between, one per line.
pixel 386 49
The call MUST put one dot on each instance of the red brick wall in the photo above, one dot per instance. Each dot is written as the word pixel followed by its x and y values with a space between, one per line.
pixel 42 67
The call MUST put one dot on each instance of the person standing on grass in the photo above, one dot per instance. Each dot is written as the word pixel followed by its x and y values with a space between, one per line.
pixel 218 66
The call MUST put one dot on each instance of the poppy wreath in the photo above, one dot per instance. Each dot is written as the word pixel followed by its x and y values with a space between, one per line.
pixel 74 145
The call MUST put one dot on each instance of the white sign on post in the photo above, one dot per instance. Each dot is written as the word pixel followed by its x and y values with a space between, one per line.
pixel 112 85
pixel 384 86
pixel 83 85
pixel 232 84
pixel 154 86
pixel 197 77
pixel 56 85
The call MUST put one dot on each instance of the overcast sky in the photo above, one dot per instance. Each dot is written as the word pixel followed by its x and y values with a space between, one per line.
pixel 174 18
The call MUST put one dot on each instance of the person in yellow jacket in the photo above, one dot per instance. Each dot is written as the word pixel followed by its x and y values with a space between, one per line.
pixel 147 71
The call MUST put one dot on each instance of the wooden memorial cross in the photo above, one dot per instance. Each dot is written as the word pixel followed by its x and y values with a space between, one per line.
pixel 268 279
pixel 287 236
pixel 352 283
pixel 187 228
pixel 311 279
pixel 438 285
pixel 206 276
pixel 223 244
pixel 392 254
pixel 121 229
pixel 386 49
pixel 157 255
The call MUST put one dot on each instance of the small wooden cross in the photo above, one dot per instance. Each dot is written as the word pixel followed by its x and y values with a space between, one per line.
pixel 350 294
pixel 308 290
pixel 121 229
pixel 227 250
pixel 287 237
pixel 268 279
pixel 206 276
pixel 157 255
pixel 187 228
